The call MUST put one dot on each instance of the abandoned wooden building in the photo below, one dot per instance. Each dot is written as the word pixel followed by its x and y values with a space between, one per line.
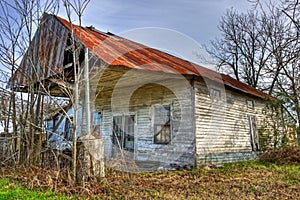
pixel 152 105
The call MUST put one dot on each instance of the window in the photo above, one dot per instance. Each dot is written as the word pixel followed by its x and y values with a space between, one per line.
pixel 249 103
pixel 162 129
pixel 215 94
pixel 97 118
pixel 253 133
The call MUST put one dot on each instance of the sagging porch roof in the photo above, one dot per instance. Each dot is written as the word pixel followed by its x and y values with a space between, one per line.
pixel 47 53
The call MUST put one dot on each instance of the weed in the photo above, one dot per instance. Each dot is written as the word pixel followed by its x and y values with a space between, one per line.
pixel 243 180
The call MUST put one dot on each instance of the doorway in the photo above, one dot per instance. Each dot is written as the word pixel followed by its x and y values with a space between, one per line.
pixel 253 133
pixel 123 132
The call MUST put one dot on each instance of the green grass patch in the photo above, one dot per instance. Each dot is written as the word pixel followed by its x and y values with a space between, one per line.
pixel 12 190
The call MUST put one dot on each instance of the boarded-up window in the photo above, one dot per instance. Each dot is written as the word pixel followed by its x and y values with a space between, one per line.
pixel 123 132
pixel 253 133
pixel 162 129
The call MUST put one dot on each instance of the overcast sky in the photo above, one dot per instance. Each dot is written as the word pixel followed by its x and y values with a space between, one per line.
pixel 193 19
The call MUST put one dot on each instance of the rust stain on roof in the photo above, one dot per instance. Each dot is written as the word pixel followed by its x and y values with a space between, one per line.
pixel 119 51
pixel 45 53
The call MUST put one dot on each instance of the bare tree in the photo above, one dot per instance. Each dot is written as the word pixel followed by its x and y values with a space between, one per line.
pixel 261 48
pixel 242 50
pixel 291 85
pixel 78 7
pixel 291 9
pixel 18 23
pixel 23 45
pixel 282 27
pixel 11 30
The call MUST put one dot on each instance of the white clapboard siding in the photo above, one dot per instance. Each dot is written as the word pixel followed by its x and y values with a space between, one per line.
pixel 221 126
pixel 165 90
pixel 205 129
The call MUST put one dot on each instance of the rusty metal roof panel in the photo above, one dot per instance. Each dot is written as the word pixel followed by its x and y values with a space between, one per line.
pixel 45 52
pixel 233 83
pixel 118 51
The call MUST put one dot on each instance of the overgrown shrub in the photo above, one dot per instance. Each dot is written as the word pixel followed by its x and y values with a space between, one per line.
pixel 282 155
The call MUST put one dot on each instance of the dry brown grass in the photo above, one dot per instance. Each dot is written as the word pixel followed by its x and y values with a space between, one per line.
pixel 282 155
pixel 249 180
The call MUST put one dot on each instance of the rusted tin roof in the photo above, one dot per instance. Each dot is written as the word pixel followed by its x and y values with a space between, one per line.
pixel 117 51
pixel 46 53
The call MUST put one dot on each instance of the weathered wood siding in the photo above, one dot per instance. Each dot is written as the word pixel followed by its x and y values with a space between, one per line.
pixel 222 125
pixel 137 96
pixel 204 128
